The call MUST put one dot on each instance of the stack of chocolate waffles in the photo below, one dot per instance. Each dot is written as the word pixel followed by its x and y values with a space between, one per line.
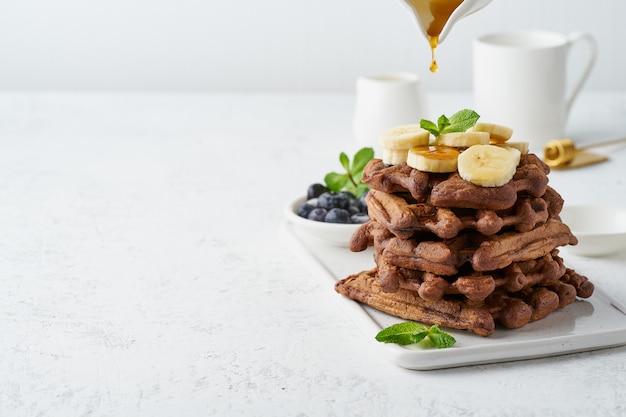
pixel 459 255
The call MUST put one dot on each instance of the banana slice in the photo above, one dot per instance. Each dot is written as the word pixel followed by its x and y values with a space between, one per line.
pixel 488 165
pixel 403 137
pixel 497 133
pixel 522 147
pixel 433 158
pixel 463 139
pixel 394 157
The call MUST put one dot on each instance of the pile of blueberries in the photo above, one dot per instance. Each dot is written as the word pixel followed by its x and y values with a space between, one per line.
pixel 327 206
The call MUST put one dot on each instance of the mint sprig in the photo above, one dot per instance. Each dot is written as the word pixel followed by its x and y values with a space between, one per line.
pixel 410 332
pixel 458 122
pixel 350 180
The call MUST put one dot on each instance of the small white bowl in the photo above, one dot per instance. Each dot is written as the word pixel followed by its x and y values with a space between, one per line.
pixel 330 233
pixel 601 230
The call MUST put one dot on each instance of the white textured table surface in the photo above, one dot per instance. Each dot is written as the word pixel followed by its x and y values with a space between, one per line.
pixel 141 273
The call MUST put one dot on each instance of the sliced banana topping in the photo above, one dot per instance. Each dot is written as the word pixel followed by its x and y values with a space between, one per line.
pixel 403 137
pixel 394 157
pixel 482 155
pixel 433 158
pixel 463 139
pixel 520 146
pixel 488 165
pixel 497 133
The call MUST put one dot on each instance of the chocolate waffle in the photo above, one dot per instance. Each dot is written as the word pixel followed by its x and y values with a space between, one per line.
pixel 544 271
pixel 450 190
pixel 512 310
pixel 445 256
pixel 404 218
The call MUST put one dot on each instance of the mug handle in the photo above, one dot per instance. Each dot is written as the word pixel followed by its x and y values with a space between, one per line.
pixel 593 50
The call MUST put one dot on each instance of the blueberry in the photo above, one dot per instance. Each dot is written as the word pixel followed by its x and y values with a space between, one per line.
pixel 362 203
pixel 337 215
pixel 318 214
pixel 330 200
pixel 315 190
pixel 359 218
pixel 349 196
pixel 304 209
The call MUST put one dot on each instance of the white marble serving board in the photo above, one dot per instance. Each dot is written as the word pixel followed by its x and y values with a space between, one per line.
pixel 594 323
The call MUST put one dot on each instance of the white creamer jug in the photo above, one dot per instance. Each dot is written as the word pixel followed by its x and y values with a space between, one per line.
pixel 435 18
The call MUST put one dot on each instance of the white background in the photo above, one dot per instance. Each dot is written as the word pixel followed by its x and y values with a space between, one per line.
pixel 267 46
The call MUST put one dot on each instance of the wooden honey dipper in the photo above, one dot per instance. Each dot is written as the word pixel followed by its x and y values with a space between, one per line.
pixel 560 152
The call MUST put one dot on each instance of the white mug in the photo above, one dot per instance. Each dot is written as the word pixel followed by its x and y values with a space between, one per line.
pixel 520 81
pixel 386 101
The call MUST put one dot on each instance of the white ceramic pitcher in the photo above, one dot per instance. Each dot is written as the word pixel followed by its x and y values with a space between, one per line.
pixel 520 81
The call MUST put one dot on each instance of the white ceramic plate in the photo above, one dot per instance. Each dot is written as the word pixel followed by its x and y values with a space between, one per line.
pixel 594 323
pixel 601 230
pixel 330 233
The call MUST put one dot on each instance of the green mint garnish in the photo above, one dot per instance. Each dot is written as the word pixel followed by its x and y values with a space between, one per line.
pixel 440 338
pixel 410 332
pixel 458 122
pixel 351 179
pixel 403 333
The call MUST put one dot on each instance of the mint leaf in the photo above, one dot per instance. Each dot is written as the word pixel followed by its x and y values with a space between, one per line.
pixel 430 126
pixel 361 189
pixel 411 332
pixel 461 121
pixel 361 158
pixel 351 179
pixel 336 182
pixel 458 122
pixel 442 123
pixel 403 333
pixel 440 338
pixel 345 161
